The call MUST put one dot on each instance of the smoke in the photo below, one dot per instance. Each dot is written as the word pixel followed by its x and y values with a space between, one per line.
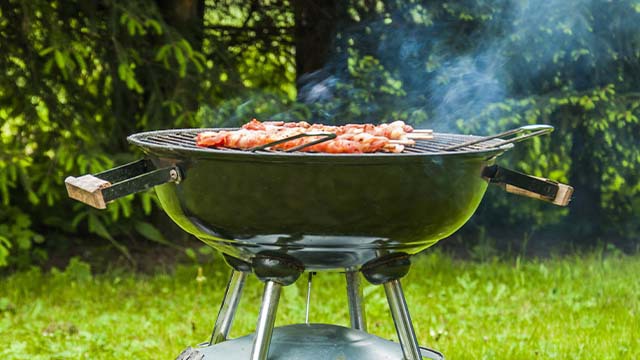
pixel 443 63
pixel 448 65
pixel 466 86
pixel 316 87
pixel 452 69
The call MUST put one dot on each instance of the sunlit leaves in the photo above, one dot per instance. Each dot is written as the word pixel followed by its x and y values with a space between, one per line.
pixel 252 44
pixel 133 25
pixel 182 54
pixel 127 74
pixel 609 119
pixel 74 86
pixel 78 78
pixel 586 102
pixel 16 232
pixel 5 245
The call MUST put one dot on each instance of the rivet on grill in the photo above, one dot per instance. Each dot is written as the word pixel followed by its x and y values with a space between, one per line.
pixel 174 174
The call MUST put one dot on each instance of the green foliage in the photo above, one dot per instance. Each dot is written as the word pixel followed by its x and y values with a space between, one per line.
pixel 607 119
pixel 77 271
pixel 5 245
pixel 16 231
pixel 483 67
pixel 78 77
pixel 567 308
pixel 252 46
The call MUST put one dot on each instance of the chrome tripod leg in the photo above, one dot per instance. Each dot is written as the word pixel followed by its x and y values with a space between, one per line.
pixel 356 306
pixel 306 311
pixel 266 320
pixel 402 320
pixel 228 308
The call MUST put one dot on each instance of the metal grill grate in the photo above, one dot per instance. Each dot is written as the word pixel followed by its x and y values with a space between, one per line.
pixel 185 139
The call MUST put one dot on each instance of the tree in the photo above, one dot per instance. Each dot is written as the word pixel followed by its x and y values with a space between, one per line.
pixel 81 76
pixel 316 24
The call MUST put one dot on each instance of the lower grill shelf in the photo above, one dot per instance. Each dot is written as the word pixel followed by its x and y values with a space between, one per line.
pixel 309 341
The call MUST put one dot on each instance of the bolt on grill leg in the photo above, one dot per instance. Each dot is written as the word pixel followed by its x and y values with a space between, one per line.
pixel 402 320
pixel 356 306
pixel 266 320
pixel 228 307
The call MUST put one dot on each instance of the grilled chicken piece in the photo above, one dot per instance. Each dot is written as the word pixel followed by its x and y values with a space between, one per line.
pixel 396 130
pixel 351 138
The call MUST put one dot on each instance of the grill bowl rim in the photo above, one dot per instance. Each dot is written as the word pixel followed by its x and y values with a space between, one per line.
pixel 139 139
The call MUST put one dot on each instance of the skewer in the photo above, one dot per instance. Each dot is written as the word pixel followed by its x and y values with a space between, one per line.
pixel 402 142
pixel 420 136
pixel 254 132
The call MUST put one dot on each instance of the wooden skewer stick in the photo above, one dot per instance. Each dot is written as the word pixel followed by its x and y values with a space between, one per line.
pixel 422 131
pixel 420 136
pixel 393 148
pixel 402 142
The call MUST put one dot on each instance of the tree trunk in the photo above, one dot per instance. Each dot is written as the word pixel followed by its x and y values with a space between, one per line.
pixel 585 215
pixel 186 16
pixel 315 30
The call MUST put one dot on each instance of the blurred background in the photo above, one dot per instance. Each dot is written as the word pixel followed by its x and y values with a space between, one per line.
pixel 79 76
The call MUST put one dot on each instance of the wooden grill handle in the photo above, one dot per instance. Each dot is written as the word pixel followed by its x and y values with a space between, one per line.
pixel 531 186
pixel 99 189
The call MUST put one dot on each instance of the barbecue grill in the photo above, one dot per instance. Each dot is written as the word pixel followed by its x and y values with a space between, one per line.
pixel 279 214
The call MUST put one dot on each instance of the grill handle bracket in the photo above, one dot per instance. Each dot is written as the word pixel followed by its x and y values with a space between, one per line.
pixel 99 189
pixel 530 186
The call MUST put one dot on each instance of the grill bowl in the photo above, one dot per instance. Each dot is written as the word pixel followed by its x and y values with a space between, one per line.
pixel 330 211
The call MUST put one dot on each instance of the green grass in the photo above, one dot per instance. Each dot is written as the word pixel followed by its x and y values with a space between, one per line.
pixel 570 308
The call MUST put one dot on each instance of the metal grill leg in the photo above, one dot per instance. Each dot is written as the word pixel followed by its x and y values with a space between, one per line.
pixel 402 320
pixel 266 320
pixel 228 308
pixel 356 306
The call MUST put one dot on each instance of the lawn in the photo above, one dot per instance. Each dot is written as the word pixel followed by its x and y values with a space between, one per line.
pixel 577 307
